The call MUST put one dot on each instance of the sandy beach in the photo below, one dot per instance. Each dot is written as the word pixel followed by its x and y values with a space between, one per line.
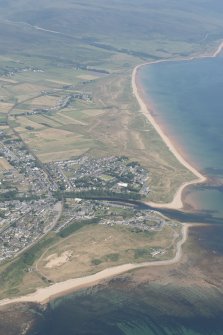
pixel 218 50
pixel 146 109
pixel 44 295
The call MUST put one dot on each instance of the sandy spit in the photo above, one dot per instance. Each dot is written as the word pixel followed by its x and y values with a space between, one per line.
pixel 46 294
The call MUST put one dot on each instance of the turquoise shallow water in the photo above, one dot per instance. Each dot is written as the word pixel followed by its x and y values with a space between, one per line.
pixel 187 100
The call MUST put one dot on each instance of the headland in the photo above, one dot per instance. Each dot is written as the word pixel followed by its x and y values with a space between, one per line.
pixel 46 294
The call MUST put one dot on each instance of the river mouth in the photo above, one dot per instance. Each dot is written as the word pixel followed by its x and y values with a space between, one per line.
pixel 186 96
pixel 185 299
pixel 186 215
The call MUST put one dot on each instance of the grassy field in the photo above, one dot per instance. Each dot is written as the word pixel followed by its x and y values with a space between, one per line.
pixel 15 273
pixel 109 124
pixel 92 58
pixel 51 50
pixel 94 248
pixel 82 251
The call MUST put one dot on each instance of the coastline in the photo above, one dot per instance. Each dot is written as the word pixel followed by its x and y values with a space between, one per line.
pixel 146 109
pixel 46 294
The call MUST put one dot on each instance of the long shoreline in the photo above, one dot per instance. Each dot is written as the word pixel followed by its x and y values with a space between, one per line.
pixel 146 109
pixel 46 294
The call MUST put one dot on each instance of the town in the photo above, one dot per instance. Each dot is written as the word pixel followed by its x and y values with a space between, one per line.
pixel 112 174
pixel 37 198
pixel 110 213
pixel 25 223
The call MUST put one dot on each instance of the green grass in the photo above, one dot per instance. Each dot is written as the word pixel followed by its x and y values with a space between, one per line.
pixel 114 257
pixel 96 261
pixel 121 128
pixel 11 275
pixel 141 253
pixel 77 226
pixel 13 272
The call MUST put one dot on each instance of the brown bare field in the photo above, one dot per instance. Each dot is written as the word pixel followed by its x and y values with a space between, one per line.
pixel 44 101
pixel 7 80
pixel 27 122
pixel 54 144
pixel 55 261
pixel 59 82
pixel 66 119
pixel 87 77
pixel 5 107
pixel 4 164
pixel 61 155
pixel 25 88
pixel 94 112
pixel 52 134
pixel 109 125
pixel 45 120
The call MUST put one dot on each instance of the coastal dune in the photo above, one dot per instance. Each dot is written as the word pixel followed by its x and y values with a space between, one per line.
pixel 44 295
pixel 146 109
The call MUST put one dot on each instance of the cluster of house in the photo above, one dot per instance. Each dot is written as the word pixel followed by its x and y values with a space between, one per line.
pixel 12 71
pixel 28 203
pixel 110 214
pixel 23 223
pixel 61 104
pixel 141 221
pixel 115 174
pixel 26 173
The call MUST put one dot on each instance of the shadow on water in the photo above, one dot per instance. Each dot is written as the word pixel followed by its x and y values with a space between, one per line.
pixel 210 238
pixel 147 309
pixel 122 308
pixel 116 310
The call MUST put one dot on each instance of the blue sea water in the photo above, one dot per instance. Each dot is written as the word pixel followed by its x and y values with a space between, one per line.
pixel 121 308
pixel 187 98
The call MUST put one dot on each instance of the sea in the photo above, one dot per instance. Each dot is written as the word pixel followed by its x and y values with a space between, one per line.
pixel 187 101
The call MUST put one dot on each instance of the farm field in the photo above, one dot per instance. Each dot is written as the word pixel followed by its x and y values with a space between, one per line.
pixel 66 92
pixel 103 120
